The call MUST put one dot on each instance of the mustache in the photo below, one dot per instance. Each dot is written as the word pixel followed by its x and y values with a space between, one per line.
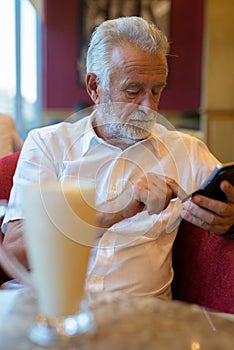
pixel 141 116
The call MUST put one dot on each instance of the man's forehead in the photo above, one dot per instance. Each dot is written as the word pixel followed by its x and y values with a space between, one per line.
pixel 137 62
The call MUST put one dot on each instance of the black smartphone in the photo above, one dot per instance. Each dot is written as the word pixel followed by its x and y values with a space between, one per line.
pixel 211 187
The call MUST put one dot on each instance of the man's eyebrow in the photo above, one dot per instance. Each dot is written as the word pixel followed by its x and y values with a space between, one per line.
pixel 137 83
pixel 140 84
pixel 132 85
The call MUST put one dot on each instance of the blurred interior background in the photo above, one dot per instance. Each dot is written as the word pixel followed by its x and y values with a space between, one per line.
pixel 42 50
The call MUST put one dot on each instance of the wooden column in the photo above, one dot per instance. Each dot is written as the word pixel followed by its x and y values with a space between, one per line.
pixel 218 79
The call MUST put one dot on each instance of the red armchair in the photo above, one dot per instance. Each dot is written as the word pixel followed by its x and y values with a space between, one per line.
pixel 204 268
pixel 7 170
pixel 203 264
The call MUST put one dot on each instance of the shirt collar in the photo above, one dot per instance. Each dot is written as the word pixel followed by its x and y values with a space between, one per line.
pixel 89 134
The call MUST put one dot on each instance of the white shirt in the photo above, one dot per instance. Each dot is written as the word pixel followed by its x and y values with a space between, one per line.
pixel 134 255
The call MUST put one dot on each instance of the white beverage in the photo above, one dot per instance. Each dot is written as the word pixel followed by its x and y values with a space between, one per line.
pixel 59 231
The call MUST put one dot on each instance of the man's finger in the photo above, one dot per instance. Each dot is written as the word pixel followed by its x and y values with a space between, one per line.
pixel 177 190
pixel 228 189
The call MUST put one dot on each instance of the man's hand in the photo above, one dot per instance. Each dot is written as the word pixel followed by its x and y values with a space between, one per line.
pixel 155 192
pixel 14 241
pixel 212 215
pixel 150 192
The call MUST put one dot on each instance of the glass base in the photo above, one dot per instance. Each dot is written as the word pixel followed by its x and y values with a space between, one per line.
pixel 61 331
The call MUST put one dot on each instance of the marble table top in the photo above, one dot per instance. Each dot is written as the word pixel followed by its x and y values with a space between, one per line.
pixel 131 323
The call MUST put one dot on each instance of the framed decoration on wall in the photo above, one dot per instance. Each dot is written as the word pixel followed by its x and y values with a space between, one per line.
pixel 93 12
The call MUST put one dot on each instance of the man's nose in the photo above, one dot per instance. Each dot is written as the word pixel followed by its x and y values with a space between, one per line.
pixel 148 101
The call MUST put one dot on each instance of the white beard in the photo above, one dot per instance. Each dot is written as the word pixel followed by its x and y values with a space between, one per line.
pixel 137 126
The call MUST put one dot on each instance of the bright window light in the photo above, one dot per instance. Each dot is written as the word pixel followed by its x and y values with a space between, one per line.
pixel 20 72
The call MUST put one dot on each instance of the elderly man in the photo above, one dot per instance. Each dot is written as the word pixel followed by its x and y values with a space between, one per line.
pixel 142 169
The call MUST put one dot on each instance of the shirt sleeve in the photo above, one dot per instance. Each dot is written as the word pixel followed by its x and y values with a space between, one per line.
pixel 36 164
pixel 204 163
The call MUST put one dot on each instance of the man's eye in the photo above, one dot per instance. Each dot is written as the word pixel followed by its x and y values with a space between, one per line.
pixel 132 93
pixel 156 93
pixel 158 90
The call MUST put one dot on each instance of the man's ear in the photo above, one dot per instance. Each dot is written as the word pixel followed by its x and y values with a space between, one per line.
pixel 92 87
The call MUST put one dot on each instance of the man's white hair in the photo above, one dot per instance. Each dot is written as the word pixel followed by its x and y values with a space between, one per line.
pixel 118 32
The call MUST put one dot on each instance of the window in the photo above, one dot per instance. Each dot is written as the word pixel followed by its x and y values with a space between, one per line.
pixel 20 63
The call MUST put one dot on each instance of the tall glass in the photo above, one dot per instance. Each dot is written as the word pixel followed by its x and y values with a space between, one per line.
pixel 60 230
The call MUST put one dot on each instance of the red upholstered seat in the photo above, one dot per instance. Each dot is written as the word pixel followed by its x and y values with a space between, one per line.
pixel 204 268
pixel 7 170
pixel 203 264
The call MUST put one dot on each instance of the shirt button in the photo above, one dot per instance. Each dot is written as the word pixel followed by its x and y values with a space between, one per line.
pixel 106 242
pixel 96 279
